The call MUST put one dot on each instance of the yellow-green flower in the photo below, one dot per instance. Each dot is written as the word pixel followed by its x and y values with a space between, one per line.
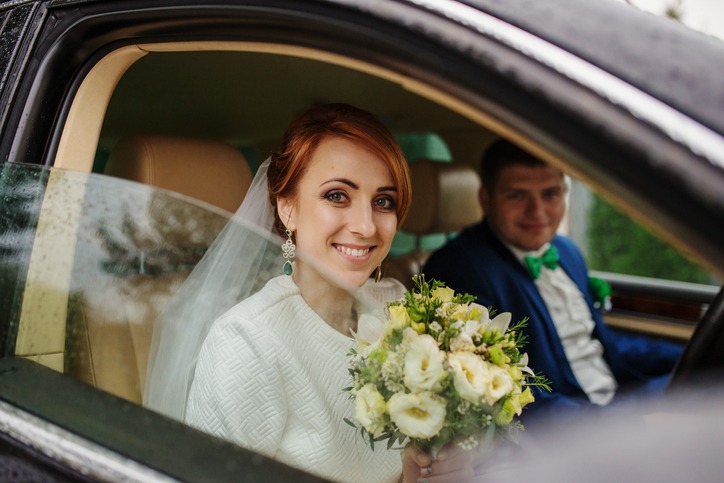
pixel 526 397
pixel 505 415
pixel 443 294
pixel 399 317
pixel 515 373
pixel 460 312
pixel 497 356
pixel 477 312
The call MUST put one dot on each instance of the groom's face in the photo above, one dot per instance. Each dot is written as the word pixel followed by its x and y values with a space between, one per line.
pixel 526 205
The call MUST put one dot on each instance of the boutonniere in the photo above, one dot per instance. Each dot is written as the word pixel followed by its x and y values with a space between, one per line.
pixel 601 293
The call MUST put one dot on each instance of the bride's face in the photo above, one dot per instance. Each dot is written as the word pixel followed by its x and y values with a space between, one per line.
pixel 343 213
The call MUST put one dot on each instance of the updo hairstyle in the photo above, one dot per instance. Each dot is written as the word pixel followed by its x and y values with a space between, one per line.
pixel 309 128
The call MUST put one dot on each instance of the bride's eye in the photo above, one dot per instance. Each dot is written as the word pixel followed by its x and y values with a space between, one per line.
pixel 386 203
pixel 336 197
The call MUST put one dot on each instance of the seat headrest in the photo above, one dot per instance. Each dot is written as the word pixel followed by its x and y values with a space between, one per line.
pixel 210 171
pixel 444 198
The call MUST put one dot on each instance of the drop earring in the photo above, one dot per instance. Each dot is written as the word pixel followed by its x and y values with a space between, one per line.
pixel 378 275
pixel 288 250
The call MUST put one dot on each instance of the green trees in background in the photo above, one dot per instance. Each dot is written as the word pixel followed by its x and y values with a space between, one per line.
pixel 618 244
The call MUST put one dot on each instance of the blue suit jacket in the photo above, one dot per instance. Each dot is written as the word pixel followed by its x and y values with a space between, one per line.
pixel 476 262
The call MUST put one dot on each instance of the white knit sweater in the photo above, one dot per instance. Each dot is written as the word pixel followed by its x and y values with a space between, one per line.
pixel 270 377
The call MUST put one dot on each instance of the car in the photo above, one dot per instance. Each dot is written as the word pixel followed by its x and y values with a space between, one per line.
pixel 629 103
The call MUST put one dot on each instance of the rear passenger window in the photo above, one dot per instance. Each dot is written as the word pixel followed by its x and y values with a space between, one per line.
pixel 613 242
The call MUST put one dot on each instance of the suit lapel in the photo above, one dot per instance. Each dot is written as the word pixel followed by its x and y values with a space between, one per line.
pixel 531 293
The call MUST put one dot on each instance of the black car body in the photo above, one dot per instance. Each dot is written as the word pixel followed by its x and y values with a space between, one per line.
pixel 631 103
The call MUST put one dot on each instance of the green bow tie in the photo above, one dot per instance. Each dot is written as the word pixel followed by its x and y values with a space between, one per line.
pixel 549 259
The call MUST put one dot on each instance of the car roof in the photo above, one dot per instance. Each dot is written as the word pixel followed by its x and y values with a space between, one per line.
pixel 675 64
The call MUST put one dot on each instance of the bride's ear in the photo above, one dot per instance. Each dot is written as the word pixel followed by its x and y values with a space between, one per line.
pixel 285 208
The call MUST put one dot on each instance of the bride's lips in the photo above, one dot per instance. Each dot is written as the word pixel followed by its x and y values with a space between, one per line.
pixel 355 253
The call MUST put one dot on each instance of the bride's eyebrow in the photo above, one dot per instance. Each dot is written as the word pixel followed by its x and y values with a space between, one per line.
pixel 354 185
pixel 342 180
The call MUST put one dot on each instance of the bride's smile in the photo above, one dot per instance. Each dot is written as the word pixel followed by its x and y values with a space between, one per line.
pixel 344 212
pixel 355 254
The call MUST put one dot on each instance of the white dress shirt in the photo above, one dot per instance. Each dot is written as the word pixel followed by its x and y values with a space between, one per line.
pixel 574 323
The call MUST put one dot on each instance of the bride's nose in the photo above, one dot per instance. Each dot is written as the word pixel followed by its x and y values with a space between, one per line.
pixel 361 221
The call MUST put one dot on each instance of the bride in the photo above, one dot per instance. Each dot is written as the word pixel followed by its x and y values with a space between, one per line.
pixel 268 373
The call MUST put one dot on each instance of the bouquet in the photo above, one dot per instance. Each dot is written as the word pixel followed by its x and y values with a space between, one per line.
pixel 436 367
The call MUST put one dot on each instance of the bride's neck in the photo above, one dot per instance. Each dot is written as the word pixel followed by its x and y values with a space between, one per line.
pixel 331 302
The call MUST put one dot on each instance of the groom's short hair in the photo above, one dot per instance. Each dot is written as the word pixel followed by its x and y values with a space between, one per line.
pixel 500 155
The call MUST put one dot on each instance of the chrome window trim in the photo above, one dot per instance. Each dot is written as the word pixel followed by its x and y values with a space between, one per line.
pixel 73 451
pixel 698 138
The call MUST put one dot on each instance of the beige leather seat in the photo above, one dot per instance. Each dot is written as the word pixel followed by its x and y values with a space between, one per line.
pixel 108 343
pixel 444 200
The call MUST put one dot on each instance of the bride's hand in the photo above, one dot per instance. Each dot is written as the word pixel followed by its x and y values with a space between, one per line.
pixel 453 464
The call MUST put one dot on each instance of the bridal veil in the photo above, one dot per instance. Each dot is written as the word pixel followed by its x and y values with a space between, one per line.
pixel 244 256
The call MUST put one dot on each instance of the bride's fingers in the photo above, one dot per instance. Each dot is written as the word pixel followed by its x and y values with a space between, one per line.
pixel 414 459
pixel 412 452
pixel 449 463
pixel 463 475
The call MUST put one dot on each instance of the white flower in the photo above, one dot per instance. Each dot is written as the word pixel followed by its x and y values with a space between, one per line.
pixel 500 322
pixel 369 328
pixel 423 364
pixel 418 415
pixel 409 334
pixel 370 408
pixel 471 375
pixel 499 384
pixel 365 349
pixel 469 333
pixel 392 367
pixel 435 327
pixel 524 365
pixel 444 310
pixel 463 342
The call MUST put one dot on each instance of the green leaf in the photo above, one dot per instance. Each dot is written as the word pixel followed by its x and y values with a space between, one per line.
pixel 372 442
pixel 350 423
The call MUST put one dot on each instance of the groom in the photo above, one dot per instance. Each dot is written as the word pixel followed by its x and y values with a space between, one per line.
pixel 514 261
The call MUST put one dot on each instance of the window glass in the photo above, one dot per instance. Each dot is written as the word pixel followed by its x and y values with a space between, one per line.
pixel 612 242
pixel 88 263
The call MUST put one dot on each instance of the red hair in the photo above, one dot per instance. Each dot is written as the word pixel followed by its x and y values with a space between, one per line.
pixel 309 128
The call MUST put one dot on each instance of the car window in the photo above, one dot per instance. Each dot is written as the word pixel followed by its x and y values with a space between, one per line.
pixel 612 241
pixel 95 260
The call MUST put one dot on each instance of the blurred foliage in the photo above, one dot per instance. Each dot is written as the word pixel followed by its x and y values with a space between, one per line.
pixel 675 10
pixel 620 245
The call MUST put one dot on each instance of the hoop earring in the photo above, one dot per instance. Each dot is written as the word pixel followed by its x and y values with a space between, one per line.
pixel 378 274
pixel 288 250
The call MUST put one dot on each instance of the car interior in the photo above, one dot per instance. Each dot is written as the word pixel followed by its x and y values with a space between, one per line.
pixel 198 119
